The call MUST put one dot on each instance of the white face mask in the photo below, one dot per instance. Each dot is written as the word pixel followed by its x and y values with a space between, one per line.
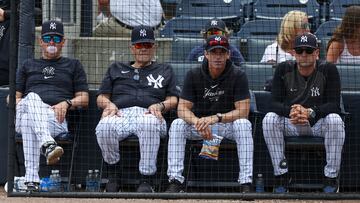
pixel 51 49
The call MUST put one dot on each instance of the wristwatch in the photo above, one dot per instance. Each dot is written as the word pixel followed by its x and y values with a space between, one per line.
pixel 68 101
pixel 219 116
pixel 312 113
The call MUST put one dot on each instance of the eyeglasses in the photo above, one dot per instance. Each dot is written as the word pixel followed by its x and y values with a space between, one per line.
pixel 308 50
pixel 145 45
pixel 136 75
pixel 55 38
pixel 215 32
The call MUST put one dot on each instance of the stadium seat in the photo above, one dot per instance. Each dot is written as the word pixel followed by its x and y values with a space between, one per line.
pixel 180 70
pixel 255 36
pixel 183 27
pixel 349 77
pixel 257 73
pixel 324 33
pixel 337 8
pixel 231 12
pixel 276 9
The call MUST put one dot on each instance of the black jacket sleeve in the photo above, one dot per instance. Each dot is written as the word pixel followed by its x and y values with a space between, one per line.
pixel 278 92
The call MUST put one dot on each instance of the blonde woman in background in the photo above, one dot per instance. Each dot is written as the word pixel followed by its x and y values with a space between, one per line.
pixel 294 23
pixel 344 46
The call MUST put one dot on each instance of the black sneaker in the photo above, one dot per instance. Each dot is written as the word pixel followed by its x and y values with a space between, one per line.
pixel 245 188
pixel 112 185
pixel 145 187
pixel 175 187
pixel 52 153
pixel 281 183
pixel 331 185
pixel 32 187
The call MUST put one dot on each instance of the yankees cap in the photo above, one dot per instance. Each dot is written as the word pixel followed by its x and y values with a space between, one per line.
pixel 52 27
pixel 142 34
pixel 306 40
pixel 215 23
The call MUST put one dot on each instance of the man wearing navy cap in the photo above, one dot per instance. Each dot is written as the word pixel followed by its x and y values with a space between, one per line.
pixel 215 26
pixel 305 101
pixel 46 89
pixel 215 95
pixel 134 97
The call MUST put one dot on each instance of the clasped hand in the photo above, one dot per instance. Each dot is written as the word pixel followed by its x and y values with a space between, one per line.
pixel 202 125
pixel 299 115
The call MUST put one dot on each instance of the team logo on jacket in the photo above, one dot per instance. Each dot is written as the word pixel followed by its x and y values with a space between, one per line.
pixel 213 93
pixel 156 83
pixel 48 72
pixel 315 92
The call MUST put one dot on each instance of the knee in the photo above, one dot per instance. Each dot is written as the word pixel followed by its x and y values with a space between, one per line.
pixel 103 127
pixel 334 119
pixel 33 96
pixel 244 123
pixel 147 121
pixel 269 120
pixel 177 128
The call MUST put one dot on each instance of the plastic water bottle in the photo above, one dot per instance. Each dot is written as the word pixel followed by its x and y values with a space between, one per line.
pixel 90 181
pixel 44 184
pixel 259 183
pixel 215 130
pixel 97 180
pixel 55 181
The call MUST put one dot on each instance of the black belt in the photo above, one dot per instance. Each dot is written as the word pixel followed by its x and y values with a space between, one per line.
pixel 131 27
pixel 123 24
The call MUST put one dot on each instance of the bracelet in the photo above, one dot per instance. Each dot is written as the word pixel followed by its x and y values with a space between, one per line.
pixel 163 106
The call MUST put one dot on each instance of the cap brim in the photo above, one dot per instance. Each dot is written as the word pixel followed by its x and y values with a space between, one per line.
pixel 52 33
pixel 143 40
pixel 305 46
pixel 217 47
pixel 214 27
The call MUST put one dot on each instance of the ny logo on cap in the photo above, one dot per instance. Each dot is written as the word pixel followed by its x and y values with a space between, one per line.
pixel 218 39
pixel 303 39
pixel 142 32
pixel 214 22
pixel 52 26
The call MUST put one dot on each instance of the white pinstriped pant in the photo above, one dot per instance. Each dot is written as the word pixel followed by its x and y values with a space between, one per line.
pixel 239 130
pixel 331 128
pixel 37 123
pixel 133 120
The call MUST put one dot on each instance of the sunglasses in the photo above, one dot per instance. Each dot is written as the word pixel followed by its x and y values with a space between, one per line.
pixel 215 32
pixel 219 42
pixel 55 38
pixel 145 45
pixel 308 50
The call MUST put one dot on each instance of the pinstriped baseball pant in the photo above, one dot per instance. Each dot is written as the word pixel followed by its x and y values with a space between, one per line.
pixel 133 120
pixel 239 130
pixel 37 123
pixel 331 128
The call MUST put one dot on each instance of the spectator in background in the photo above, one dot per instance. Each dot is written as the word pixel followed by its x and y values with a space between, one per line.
pixel 46 89
pixel 215 27
pixel 4 42
pixel 305 101
pixel 344 45
pixel 133 97
pixel 294 23
pixel 215 95
pixel 126 14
